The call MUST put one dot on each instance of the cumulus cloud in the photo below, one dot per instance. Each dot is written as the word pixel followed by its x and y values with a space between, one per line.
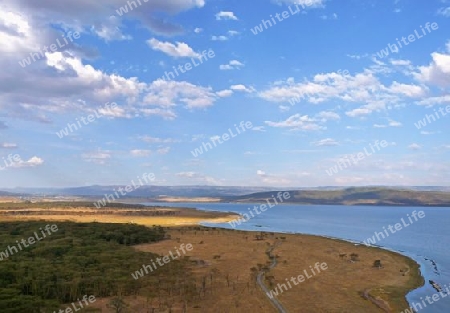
pixel 304 4
pixel 328 116
pixel 32 162
pixel 140 153
pixel 150 139
pixel 444 11
pixel 156 15
pixel 8 145
pixel 232 65
pixel 365 89
pixel 224 15
pixel 271 179
pixel 163 150
pixel 166 94
pixel 415 146
pixel 391 123
pixel 298 122
pixel 219 38
pixel 225 93
pixel 437 72
pixel 63 81
pixel 98 157
pixel 177 50
pixel 241 87
pixel 325 142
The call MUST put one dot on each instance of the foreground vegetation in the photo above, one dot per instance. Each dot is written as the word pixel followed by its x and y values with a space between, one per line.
pixel 77 260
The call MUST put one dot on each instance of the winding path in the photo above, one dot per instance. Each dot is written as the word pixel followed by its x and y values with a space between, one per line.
pixel 261 284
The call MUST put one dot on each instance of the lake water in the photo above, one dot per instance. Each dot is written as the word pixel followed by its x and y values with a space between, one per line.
pixel 427 240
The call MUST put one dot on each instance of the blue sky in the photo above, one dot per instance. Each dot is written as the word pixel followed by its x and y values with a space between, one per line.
pixel 316 87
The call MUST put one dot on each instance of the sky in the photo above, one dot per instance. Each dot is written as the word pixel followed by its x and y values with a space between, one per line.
pixel 285 93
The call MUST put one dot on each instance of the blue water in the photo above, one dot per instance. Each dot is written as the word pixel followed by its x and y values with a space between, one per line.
pixel 426 240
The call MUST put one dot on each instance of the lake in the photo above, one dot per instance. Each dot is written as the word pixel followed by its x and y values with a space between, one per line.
pixel 426 240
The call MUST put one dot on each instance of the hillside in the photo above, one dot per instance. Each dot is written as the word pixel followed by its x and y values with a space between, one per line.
pixel 356 196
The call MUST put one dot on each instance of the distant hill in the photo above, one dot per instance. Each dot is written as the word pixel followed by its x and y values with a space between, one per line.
pixel 8 194
pixel 145 191
pixel 356 196
pixel 400 196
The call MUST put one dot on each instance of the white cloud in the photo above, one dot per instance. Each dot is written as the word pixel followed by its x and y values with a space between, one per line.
pixel 178 50
pixel 325 142
pixel 166 94
pixel 437 72
pixel 98 157
pixel 241 88
pixel 219 38
pixel 226 67
pixel 95 16
pixel 225 93
pixel 164 150
pixel 328 115
pixel 444 11
pixel 232 65
pixel 401 62
pixel 7 145
pixel 166 114
pixel 358 112
pixel 434 100
pixel 110 30
pixel 304 4
pixel 411 91
pixel 298 122
pixel 150 139
pixel 236 63
pixel 32 162
pixel 198 30
pixel 395 124
pixel 259 128
pixel 271 179
pixel 233 33
pixel 415 146
pixel 140 153
pixel 424 132
pixel 357 56
pixel 223 15
pixel 390 124
pixel 363 88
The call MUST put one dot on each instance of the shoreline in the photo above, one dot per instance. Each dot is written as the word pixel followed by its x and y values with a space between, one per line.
pixel 410 256
pixel 351 241
pixel 218 201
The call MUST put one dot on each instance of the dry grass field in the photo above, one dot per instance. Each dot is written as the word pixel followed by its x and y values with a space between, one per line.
pixel 150 216
pixel 231 255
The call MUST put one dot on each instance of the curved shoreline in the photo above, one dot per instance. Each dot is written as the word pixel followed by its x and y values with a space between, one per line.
pixel 352 241
pixel 232 214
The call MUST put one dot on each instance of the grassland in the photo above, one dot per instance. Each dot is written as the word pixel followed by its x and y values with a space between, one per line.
pixel 223 264
pixel 85 212
pixel 236 256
